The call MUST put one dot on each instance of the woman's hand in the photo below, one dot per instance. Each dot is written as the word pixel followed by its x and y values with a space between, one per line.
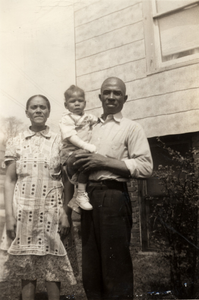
pixel 11 227
pixel 64 224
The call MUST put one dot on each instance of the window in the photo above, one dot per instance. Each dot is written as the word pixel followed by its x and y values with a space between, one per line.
pixel 171 33
pixel 152 191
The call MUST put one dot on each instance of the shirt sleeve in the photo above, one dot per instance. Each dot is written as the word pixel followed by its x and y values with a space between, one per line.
pixel 67 127
pixel 140 163
pixel 11 150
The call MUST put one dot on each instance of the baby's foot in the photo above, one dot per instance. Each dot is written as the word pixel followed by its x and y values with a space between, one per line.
pixel 83 201
pixel 74 205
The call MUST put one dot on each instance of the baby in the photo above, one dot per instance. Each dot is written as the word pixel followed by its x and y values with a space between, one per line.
pixel 76 127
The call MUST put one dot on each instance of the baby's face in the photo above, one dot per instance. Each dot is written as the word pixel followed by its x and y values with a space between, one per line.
pixel 76 103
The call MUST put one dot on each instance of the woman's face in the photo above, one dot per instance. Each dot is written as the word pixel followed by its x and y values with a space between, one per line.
pixel 38 112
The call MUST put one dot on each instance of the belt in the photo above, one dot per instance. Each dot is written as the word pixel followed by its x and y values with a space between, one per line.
pixel 108 184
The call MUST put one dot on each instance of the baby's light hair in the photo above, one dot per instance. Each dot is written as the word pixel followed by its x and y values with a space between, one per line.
pixel 71 90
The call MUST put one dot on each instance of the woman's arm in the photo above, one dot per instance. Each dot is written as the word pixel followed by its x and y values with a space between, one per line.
pixel 68 191
pixel 65 217
pixel 10 181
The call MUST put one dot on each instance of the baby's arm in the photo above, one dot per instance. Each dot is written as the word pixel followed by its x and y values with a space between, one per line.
pixel 69 133
pixel 75 140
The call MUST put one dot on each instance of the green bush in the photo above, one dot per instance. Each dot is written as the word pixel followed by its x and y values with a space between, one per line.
pixel 175 220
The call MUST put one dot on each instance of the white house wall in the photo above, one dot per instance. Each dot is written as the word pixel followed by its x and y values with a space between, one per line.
pixel 110 41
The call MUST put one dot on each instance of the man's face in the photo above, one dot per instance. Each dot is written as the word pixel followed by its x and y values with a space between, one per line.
pixel 112 96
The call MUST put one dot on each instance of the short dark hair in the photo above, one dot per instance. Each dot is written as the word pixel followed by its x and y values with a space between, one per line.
pixel 71 90
pixel 42 96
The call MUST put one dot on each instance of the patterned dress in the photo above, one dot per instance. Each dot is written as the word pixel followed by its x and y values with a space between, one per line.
pixel 37 250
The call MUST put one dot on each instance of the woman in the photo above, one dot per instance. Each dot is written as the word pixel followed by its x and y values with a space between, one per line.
pixel 35 217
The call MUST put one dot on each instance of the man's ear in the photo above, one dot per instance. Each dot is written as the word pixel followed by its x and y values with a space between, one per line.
pixel 65 104
pixel 100 97
pixel 125 98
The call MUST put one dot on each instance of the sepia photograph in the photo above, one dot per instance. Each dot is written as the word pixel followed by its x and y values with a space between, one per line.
pixel 99 149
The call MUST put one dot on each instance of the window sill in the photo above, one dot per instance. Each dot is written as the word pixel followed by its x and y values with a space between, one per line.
pixel 172 65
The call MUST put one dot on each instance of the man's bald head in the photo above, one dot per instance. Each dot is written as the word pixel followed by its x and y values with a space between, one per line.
pixel 113 96
pixel 114 80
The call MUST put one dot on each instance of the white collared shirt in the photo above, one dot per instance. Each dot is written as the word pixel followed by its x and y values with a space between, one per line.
pixel 125 140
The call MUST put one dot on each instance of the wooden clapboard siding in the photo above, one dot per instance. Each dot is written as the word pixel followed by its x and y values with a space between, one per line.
pixel 170 103
pixel 161 83
pixel 176 123
pixel 97 111
pixel 100 9
pixel 110 41
pixel 129 71
pixel 111 58
pixel 108 23
pixel 165 84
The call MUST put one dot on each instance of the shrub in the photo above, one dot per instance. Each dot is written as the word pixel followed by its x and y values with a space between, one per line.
pixel 176 219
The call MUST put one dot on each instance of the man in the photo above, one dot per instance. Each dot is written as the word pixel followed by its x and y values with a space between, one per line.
pixel 122 153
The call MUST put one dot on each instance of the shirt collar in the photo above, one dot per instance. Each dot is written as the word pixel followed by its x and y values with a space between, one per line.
pixel 117 117
pixel 46 132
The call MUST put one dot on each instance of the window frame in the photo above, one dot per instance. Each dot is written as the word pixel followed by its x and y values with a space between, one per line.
pixel 152 40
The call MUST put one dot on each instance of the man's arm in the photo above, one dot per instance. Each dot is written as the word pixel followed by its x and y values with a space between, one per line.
pixel 138 164
pixel 94 162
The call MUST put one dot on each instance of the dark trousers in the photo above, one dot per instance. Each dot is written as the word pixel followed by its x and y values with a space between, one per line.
pixel 106 230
